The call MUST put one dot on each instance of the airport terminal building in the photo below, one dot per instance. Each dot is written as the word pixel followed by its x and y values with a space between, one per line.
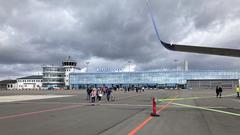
pixel 57 77
pixel 157 79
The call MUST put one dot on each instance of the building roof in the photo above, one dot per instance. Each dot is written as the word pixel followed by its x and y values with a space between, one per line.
pixel 69 59
pixel 32 77
pixel 8 81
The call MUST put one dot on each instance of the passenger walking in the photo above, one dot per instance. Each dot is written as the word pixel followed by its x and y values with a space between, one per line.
pixel 93 95
pixel 143 89
pixel 104 90
pixel 238 91
pixel 88 93
pixel 99 94
pixel 136 89
pixel 220 90
pixel 217 91
pixel 109 91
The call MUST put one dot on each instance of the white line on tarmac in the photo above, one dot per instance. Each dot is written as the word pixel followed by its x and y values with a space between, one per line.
pixel 207 109
pixel 191 98
pixel 116 104
pixel 14 98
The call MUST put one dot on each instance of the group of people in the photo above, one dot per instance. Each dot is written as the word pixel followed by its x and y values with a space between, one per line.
pixel 98 93
pixel 137 89
pixel 219 91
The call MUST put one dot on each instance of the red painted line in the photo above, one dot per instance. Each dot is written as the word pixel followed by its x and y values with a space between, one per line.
pixel 140 126
pixel 38 112
pixel 134 131
pixel 48 110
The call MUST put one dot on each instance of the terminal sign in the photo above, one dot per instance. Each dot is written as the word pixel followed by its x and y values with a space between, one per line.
pixel 109 69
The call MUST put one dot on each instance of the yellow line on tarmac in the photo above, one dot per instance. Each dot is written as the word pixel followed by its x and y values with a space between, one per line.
pixel 179 99
pixel 189 98
pixel 211 107
pixel 208 109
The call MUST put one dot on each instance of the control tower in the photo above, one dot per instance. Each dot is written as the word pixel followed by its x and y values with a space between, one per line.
pixel 69 66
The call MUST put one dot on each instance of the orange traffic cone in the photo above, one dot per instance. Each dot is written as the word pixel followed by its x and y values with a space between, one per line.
pixel 154 108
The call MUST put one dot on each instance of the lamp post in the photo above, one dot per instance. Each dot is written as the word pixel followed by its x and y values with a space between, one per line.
pixel 129 65
pixel 176 64
pixel 87 63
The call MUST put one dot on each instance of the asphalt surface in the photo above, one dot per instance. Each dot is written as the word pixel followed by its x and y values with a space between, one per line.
pixel 128 114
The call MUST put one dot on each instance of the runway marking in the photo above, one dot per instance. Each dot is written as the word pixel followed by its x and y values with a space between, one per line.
pixel 190 98
pixel 116 104
pixel 74 105
pixel 38 112
pixel 4 99
pixel 207 109
pixel 141 125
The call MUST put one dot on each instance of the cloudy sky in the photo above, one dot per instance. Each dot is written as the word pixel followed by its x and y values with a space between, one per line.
pixel 109 33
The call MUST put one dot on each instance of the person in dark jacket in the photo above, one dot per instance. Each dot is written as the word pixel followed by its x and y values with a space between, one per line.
pixel 217 91
pixel 220 90
pixel 88 93
pixel 109 91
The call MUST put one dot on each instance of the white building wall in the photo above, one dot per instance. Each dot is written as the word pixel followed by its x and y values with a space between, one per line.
pixel 68 70
pixel 29 84
pixel 12 86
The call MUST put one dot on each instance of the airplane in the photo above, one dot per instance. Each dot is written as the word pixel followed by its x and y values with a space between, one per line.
pixel 193 49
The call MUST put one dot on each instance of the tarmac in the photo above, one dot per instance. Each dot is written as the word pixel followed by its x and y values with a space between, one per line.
pixel 196 112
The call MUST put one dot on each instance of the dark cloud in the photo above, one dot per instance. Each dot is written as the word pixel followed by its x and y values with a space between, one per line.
pixel 110 33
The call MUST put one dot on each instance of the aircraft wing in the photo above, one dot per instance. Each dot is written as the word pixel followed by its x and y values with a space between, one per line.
pixel 202 50
pixel 193 49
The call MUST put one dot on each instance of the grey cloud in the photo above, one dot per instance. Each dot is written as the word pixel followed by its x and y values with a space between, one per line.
pixel 45 32
pixel 18 70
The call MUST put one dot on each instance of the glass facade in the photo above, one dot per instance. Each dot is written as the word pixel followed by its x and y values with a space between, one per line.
pixel 159 78
pixel 53 77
